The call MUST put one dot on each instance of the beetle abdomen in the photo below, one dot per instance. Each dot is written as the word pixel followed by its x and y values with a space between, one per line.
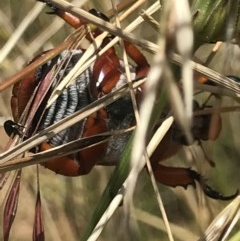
pixel 72 99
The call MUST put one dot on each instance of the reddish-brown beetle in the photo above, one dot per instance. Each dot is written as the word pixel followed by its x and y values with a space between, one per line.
pixel 100 79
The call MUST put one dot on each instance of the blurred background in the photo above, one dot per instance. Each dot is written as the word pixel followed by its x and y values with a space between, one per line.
pixel 68 203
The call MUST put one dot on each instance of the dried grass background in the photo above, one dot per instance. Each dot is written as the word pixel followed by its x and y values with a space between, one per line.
pixel 68 202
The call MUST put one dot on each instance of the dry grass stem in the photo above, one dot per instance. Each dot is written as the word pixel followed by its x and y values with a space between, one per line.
pixel 223 224
pixel 117 200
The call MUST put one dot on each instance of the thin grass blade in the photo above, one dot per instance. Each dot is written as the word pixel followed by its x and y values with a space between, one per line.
pixel 38 227
pixel 11 206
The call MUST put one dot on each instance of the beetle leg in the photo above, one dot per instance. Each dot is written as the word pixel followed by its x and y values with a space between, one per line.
pixel 72 20
pixel 110 68
pixel 173 176
pixel 62 165
pixel 106 73
pixel 95 124
pixel 135 54
pixel 69 18
pixel 176 176
pixel 208 190
pixel 84 160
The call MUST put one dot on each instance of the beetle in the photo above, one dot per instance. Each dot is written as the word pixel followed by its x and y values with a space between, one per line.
pixel 104 76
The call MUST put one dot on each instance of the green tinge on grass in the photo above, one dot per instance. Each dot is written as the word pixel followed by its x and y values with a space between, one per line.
pixel 211 20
